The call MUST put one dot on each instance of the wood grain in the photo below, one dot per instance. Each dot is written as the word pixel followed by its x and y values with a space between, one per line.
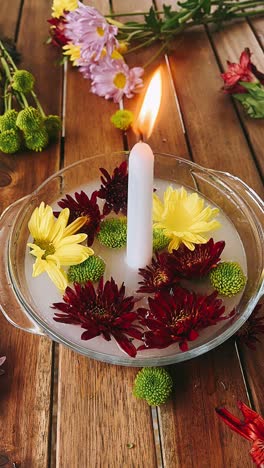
pixel 95 399
pixel 9 18
pixel 25 387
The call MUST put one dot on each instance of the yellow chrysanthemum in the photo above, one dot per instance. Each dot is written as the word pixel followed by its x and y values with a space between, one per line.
pixel 56 244
pixel 59 6
pixel 184 218
pixel 73 51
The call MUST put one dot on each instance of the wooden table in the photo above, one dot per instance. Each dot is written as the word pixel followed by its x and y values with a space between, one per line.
pixel 58 408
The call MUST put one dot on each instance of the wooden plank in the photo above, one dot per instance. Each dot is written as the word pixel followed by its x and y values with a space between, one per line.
pixel 99 411
pixel 25 387
pixel 9 18
pixel 257 26
pixel 229 43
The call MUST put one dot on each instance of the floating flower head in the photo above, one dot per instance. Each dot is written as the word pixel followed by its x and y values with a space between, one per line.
pixel 198 262
pixel 59 7
pixel 113 232
pixel 113 79
pixel 55 244
pixel 23 81
pixel 87 28
pixel 158 276
pixel 184 218
pixel 90 270
pixel 104 311
pixel 153 384
pixel 254 326
pixel 177 316
pixel 252 428
pixel 228 278
pixel 114 189
pixel 82 205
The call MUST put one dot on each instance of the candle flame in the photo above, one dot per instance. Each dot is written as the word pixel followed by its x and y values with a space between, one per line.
pixel 150 107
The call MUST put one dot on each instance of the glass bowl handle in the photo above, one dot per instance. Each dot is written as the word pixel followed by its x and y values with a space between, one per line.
pixel 9 304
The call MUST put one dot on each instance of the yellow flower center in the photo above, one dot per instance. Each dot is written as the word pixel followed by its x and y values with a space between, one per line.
pixel 120 80
pixel 160 277
pixel 100 31
pixel 45 245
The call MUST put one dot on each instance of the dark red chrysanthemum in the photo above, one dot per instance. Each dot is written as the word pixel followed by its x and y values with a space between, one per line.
pixel 177 317
pixel 254 326
pixel 105 311
pixel 57 30
pixel 197 263
pixel 114 189
pixel 83 206
pixel 158 276
pixel 252 428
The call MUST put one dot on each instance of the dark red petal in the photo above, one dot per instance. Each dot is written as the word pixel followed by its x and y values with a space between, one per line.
pixel 235 423
pixel 257 452
pixel 125 344
pixel 89 334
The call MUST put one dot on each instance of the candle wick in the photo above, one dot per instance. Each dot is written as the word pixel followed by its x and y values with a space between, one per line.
pixel 141 137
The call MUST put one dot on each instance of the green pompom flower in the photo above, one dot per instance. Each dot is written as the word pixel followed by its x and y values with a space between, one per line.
pixel 228 278
pixel 154 385
pixel 90 270
pixel 8 120
pixel 113 232
pixel 10 141
pixel 23 81
pixel 160 241
pixel 122 119
pixel 37 140
pixel 53 126
pixel 29 119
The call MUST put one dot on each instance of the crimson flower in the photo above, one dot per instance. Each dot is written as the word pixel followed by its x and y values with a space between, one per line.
pixel 198 262
pixel 114 189
pixel 105 311
pixel 245 71
pixel 252 428
pixel 83 206
pixel 158 276
pixel 177 317
pixel 57 30
pixel 254 326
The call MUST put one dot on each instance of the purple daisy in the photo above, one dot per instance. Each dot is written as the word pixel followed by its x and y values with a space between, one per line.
pixel 113 79
pixel 87 28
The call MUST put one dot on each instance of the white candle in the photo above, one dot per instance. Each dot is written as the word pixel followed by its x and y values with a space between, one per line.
pixel 139 208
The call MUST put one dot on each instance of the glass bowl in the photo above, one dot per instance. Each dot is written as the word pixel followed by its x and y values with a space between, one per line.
pixel 25 302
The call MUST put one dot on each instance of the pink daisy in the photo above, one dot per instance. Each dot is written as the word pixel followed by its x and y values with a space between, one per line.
pixel 113 79
pixel 87 28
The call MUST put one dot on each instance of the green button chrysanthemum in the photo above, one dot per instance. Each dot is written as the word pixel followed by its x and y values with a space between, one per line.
pixel 23 81
pixel 29 119
pixel 113 232
pixel 90 270
pixel 122 119
pixel 228 278
pixel 37 140
pixel 8 120
pixel 153 384
pixel 53 126
pixel 10 141
pixel 160 241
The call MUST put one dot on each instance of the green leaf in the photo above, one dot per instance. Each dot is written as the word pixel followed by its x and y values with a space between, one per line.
pixel 253 104
pixel 152 21
pixel 167 11
pixel 207 6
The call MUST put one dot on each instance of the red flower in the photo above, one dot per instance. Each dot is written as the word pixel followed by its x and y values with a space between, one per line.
pixel 252 327
pixel 245 70
pixel 114 189
pixel 83 206
pixel 158 276
pixel 178 316
pixel 57 28
pixel 197 263
pixel 105 311
pixel 252 428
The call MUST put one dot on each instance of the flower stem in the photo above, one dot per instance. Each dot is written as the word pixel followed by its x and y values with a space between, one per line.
pixel 7 55
pixel 33 94
pixel 158 53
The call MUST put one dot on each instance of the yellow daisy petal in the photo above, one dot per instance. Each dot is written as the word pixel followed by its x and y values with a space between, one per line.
pixel 75 226
pixel 72 254
pixel 57 276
